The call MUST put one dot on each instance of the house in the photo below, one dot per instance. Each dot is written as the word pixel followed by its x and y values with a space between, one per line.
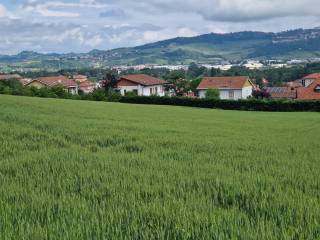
pixel 309 79
pixel 142 85
pixel 80 78
pixel 311 92
pixel 68 84
pixel 87 86
pixel 232 88
pixel 282 92
pixel 8 77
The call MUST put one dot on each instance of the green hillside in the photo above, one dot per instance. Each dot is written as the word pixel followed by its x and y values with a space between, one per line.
pixel 93 170
pixel 207 48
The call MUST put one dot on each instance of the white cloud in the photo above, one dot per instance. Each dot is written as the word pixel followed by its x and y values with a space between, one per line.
pixel 231 10
pixel 79 25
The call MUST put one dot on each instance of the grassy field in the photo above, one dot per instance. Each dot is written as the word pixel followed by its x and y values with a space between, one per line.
pixel 90 170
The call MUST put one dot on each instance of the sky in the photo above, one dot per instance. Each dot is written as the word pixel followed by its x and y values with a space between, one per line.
pixel 82 25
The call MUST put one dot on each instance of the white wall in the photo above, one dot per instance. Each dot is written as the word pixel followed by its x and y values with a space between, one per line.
pixel 202 93
pixel 160 90
pixel 247 92
pixel 73 90
pixel 143 90
pixel 226 95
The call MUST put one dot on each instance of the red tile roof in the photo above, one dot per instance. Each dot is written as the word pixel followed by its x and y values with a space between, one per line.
pixel 223 82
pixel 312 76
pixel 10 76
pixel 56 81
pixel 309 93
pixel 282 92
pixel 79 76
pixel 294 84
pixel 143 79
pixel 86 84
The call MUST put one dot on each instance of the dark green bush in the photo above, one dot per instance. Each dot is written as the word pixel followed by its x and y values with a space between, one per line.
pixel 245 105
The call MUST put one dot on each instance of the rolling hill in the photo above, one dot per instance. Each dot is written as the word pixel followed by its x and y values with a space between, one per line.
pixel 208 48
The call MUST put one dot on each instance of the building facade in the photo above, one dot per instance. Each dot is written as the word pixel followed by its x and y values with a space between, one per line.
pixel 141 85
pixel 230 88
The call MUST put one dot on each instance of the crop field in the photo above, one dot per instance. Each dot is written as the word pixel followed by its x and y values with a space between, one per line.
pixel 94 170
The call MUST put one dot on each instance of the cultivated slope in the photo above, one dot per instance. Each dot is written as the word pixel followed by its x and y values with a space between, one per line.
pixel 89 170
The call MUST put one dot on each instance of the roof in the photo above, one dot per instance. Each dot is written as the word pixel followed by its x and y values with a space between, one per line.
pixel 55 81
pixel 237 82
pixel 143 79
pixel 80 76
pixel 309 93
pixel 294 84
pixel 312 76
pixel 10 76
pixel 86 84
pixel 282 92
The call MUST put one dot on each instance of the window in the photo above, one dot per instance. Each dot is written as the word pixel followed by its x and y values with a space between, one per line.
pixel 231 94
pixel 156 90
pixel 317 89
pixel 151 92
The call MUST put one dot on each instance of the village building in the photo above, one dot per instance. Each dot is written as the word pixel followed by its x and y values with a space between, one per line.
pixel 282 92
pixel 8 77
pixel 87 86
pixel 68 84
pixel 306 88
pixel 311 92
pixel 230 88
pixel 80 78
pixel 142 85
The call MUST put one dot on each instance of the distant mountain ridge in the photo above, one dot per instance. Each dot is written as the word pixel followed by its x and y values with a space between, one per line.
pixel 207 48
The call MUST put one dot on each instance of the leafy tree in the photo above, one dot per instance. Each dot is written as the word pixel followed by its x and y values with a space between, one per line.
pixel 260 94
pixel 110 82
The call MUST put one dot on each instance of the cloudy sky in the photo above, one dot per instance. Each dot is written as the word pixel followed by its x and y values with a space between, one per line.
pixel 83 25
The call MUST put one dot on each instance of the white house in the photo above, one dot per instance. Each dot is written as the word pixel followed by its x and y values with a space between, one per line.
pixel 230 88
pixel 142 85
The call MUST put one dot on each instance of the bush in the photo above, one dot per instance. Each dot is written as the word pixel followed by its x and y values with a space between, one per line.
pixel 213 93
pixel 98 95
pixel 245 105
pixel 131 94
pixel 113 96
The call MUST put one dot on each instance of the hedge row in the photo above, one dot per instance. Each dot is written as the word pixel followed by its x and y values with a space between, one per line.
pixel 244 105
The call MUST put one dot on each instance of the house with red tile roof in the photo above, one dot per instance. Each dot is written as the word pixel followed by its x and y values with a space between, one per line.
pixel 80 78
pixel 231 88
pixel 68 84
pixel 306 88
pixel 87 86
pixel 142 85
pixel 282 92
pixel 9 77
pixel 311 92
pixel 307 80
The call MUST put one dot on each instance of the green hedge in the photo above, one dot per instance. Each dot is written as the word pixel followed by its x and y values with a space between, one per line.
pixel 245 105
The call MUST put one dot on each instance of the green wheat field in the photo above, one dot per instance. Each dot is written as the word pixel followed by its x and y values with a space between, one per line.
pixel 94 170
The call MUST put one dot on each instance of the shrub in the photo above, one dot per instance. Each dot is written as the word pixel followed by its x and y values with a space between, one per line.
pixel 245 105
pixel 131 94
pixel 113 96
pixel 213 93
